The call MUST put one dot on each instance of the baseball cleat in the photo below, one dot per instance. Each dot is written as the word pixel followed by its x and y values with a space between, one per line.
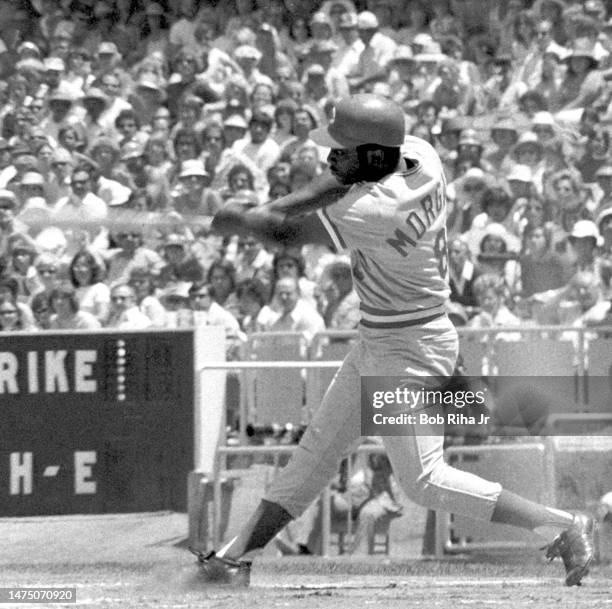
pixel 221 570
pixel 575 547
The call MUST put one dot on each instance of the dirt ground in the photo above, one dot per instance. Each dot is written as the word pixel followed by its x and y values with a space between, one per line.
pixel 140 561
pixel 173 585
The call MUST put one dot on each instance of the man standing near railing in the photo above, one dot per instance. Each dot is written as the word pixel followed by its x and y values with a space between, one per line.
pixel 384 201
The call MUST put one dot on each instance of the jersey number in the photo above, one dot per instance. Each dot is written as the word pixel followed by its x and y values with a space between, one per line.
pixel 440 249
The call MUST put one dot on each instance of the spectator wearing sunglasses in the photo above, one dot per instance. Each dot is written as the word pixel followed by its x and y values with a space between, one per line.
pixel 10 318
pixel 124 312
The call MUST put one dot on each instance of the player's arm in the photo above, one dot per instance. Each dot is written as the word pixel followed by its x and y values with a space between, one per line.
pixel 322 191
pixel 270 226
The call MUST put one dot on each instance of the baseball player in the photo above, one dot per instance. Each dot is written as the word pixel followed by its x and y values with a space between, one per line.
pixel 384 201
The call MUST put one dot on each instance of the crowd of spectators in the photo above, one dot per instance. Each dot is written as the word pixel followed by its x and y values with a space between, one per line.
pixel 126 124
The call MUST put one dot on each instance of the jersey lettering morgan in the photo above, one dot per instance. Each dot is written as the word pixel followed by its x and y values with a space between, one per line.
pixel 395 230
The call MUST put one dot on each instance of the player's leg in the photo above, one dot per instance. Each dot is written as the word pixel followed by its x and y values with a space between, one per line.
pixel 418 461
pixel 334 429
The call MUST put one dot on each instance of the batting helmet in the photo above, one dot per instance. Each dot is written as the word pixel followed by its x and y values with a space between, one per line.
pixel 363 119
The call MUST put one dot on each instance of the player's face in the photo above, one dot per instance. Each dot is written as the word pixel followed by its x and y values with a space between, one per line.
pixel 344 165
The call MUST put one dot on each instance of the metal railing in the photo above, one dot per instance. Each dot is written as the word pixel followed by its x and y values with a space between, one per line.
pixel 487 336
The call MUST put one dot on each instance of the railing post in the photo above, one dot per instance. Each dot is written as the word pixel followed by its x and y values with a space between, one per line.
pixel 325 521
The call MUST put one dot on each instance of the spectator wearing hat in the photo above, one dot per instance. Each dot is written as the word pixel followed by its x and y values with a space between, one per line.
pixel 470 151
pixel 446 140
pixel 378 50
pixel 401 71
pixel 175 300
pixel 350 45
pixel 61 112
pixel 31 184
pixel 258 145
pixel 107 61
pixel 55 70
pixel 95 103
pixel 583 82
pixel 529 151
pixel 464 196
pixel 194 198
pixel 322 53
pixel 248 58
pixel 504 136
pixel 23 161
pixel 141 178
pixel 321 26
pixel 180 266
pixel 146 96
pixel 520 182
pixel 316 92
pixel 35 213
pixel 584 240
pixel 153 33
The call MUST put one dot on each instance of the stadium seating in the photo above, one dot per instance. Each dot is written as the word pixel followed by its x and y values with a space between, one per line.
pixel 275 396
